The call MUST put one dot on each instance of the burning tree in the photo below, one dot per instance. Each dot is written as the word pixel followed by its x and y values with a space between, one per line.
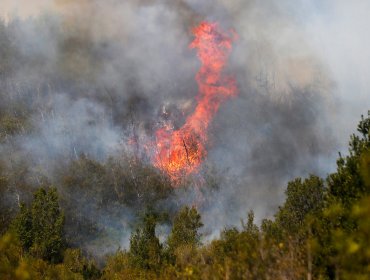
pixel 181 152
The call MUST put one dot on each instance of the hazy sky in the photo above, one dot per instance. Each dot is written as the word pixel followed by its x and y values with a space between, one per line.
pixel 336 29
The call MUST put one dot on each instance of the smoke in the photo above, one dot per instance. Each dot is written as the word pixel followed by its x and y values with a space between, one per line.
pixel 92 73
pixel 339 38
pixel 59 133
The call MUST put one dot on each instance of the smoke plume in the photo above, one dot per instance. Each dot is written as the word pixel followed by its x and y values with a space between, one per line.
pixel 91 75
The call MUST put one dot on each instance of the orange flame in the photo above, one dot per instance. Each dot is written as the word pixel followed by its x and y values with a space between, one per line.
pixel 181 152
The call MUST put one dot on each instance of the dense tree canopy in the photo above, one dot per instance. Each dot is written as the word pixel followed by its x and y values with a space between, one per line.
pixel 320 232
pixel 40 228
pixel 185 230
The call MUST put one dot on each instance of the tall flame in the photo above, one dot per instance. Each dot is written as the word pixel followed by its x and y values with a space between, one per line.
pixel 181 152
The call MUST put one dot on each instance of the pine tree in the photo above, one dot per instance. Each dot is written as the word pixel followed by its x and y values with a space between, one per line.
pixel 185 229
pixel 145 249
pixel 40 227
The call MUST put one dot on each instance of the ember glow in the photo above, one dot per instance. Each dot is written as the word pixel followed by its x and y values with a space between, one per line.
pixel 181 152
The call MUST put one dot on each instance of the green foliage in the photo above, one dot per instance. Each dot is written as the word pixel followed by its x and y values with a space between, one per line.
pixel 302 199
pixel 237 253
pixel 365 168
pixel 119 266
pixel 356 246
pixel 5 210
pixel 346 189
pixel 10 253
pixel 77 263
pixel 145 249
pixel 103 187
pixel 23 226
pixel 115 264
pixel 15 265
pixel 321 231
pixel 40 227
pixel 185 229
pixel 130 182
pixel 136 184
pixel 347 184
pixel 47 225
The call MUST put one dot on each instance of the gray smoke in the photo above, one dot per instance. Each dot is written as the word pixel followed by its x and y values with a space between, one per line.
pixel 94 73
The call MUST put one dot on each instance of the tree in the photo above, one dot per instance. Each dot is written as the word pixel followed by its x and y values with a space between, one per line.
pixel 77 263
pixel 304 198
pixel 185 229
pixel 238 254
pixel 145 249
pixel 341 239
pixel 23 225
pixel 40 227
pixel 347 185
pixel 105 188
pixel 10 254
pixel 5 208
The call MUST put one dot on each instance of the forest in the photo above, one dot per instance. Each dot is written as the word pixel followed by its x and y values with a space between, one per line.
pixel 80 197
pixel 321 231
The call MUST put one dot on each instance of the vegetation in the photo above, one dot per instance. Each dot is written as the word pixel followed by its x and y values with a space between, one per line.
pixel 321 231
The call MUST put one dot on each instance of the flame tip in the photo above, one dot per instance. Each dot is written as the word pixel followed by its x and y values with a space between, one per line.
pixel 181 152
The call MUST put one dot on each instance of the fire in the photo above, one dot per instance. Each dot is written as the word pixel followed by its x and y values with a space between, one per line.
pixel 181 152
